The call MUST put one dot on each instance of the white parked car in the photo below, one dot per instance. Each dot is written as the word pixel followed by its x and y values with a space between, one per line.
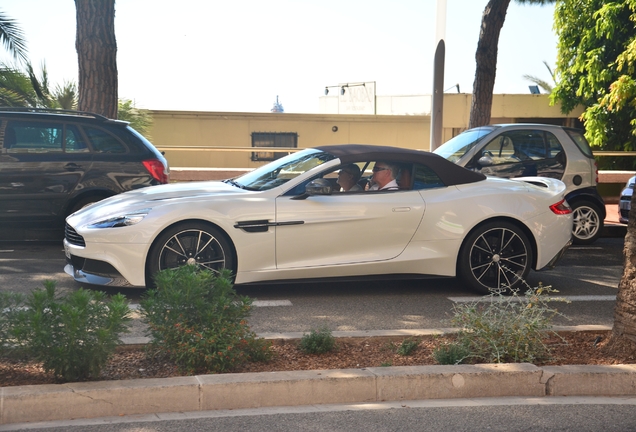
pixel 289 220
pixel 625 200
pixel 520 149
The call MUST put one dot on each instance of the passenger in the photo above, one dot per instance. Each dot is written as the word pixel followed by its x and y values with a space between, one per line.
pixel 348 178
pixel 404 178
pixel 384 174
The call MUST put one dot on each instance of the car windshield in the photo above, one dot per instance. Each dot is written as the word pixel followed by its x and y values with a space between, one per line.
pixel 456 147
pixel 282 170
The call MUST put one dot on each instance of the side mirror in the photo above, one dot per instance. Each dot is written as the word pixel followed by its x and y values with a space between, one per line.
pixel 485 161
pixel 318 187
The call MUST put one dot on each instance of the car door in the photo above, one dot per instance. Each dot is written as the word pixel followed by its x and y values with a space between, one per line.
pixel 345 228
pixel 41 163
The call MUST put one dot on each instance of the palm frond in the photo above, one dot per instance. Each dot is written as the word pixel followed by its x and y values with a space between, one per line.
pixel 12 37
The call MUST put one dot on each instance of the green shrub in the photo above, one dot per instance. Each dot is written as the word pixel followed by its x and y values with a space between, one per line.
pixel 317 341
pixel 407 347
pixel 73 335
pixel 502 328
pixel 10 306
pixel 198 319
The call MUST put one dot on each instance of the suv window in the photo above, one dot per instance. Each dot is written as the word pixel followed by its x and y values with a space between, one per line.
pixel 42 137
pixel 103 142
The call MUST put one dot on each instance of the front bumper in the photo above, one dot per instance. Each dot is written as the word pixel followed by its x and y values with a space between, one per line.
pixel 112 266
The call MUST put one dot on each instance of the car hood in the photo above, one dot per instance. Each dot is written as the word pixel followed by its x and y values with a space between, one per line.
pixel 154 196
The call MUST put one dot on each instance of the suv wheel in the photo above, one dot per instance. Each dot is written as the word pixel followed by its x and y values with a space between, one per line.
pixel 587 222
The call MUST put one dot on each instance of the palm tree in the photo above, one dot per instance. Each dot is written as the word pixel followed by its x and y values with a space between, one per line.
pixel 12 37
pixel 546 86
pixel 486 56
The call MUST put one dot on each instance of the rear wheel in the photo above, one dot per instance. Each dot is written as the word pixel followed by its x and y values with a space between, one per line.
pixel 587 222
pixel 190 243
pixel 495 257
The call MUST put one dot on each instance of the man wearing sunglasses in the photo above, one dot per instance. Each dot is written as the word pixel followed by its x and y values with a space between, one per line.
pixel 384 174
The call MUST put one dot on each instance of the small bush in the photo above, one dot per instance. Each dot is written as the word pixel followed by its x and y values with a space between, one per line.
pixel 502 328
pixel 407 347
pixel 451 354
pixel 198 319
pixel 73 335
pixel 317 341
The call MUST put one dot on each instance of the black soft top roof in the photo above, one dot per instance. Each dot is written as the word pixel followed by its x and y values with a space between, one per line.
pixel 448 172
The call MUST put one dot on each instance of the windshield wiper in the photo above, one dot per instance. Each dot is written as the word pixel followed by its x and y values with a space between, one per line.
pixel 234 183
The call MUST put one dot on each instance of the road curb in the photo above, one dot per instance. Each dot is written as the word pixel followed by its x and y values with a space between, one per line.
pixel 269 389
pixel 41 403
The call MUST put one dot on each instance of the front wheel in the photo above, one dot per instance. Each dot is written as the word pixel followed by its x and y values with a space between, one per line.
pixel 495 257
pixel 189 243
pixel 587 222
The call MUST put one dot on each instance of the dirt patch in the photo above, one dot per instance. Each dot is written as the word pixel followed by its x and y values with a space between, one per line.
pixel 581 348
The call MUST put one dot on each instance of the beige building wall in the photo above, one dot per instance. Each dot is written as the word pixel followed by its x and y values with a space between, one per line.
pixel 223 140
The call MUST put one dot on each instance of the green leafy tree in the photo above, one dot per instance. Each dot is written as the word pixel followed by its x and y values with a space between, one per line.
pixel 486 56
pixel 596 63
pixel 597 66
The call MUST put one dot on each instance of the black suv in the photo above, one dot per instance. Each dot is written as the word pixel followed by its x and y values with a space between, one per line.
pixel 54 162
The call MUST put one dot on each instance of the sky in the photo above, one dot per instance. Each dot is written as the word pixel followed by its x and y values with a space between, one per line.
pixel 239 55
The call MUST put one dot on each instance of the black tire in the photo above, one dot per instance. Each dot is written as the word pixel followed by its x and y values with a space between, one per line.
pixel 189 243
pixel 588 222
pixel 495 257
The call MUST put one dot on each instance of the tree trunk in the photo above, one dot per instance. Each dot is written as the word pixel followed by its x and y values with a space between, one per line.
pixel 97 56
pixel 624 330
pixel 491 23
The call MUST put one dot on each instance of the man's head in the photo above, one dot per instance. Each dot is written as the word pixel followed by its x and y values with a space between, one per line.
pixel 348 176
pixel 383 173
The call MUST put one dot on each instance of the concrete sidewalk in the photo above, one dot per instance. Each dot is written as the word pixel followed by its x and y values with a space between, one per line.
pixel 270 389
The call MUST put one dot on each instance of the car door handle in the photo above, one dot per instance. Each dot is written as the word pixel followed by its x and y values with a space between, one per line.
pixel 401 209
pixel 72 167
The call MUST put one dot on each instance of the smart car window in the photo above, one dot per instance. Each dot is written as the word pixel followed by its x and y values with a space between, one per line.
pixel 580 141
pixel 33 137
pixel 455 148
pixel 555 149
pixel 529 144
pixel 103 142
pixel 500 150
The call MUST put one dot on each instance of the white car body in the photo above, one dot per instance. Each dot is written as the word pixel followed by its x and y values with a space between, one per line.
pixel 275 236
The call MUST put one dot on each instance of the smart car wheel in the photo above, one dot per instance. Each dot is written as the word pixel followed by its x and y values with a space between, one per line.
pixel 587 222
pixel 496 256
pixel 191 243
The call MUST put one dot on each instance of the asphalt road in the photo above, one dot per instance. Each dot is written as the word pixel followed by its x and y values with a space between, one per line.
pixel 587 275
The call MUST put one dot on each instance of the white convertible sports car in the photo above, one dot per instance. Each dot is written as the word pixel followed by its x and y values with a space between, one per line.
pixel 292 219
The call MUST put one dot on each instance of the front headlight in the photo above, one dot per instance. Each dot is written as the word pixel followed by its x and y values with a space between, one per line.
pixel 121 221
